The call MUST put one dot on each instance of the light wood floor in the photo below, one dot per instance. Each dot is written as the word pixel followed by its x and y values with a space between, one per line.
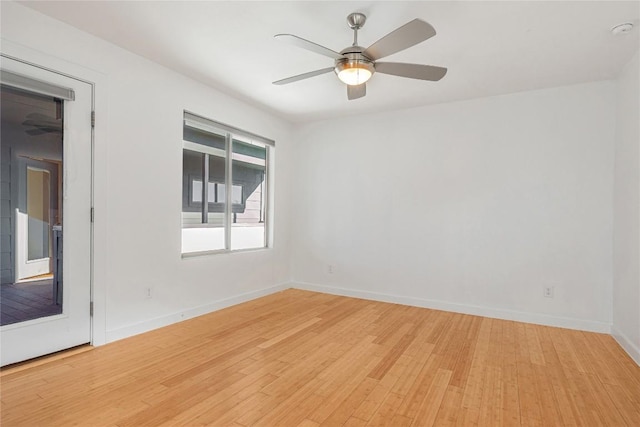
pixel 305 359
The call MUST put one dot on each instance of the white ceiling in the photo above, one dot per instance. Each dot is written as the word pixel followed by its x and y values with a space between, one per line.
pixel 490 48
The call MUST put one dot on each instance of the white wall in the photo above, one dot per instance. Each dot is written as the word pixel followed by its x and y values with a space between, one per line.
pixel 138 160
pixel 470 206
pixel 626 208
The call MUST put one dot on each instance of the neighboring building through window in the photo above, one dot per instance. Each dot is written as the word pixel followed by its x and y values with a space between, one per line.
pixel 234 164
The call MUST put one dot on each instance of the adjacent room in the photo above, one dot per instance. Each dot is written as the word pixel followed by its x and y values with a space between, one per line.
pixel 310 213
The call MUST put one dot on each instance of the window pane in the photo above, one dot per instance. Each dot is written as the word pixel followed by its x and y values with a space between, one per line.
pixel 196 190
pixel 236 195
pixel 217 203
pixel 205 155
pixel 32 181
pixel 249 165
pixel 204 138
pixel 192 170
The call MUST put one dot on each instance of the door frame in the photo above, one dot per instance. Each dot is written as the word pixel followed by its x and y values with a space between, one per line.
pixel 51 333
pixel 99 83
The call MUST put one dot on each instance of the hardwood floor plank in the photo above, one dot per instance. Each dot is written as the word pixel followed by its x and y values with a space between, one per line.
pixel 338 388
pixel 450 408
pixel 298 358
pixel 530 406
pixel 355 422
pixel 228 404
pixel 386 412
pixel 509 370
pixel 428 410
pixel 626 406
pixel 391 357
pixel 308 423
pixel 345 409
pixel 413 369
pixel 491 409
pixel 626 366
pixel 533 344
pixel 373 401
pixel 423 384
pixel 550 410
pixel 474 382
pixel 289 333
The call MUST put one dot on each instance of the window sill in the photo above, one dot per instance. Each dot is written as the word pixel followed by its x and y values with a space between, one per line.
pixel 222 251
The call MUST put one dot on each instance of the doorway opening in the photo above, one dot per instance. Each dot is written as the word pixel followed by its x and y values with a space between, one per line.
pixel 46 159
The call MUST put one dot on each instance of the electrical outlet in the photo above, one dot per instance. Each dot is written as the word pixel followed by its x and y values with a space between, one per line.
pixel 147 293
pixel 330 269
pixel 548 291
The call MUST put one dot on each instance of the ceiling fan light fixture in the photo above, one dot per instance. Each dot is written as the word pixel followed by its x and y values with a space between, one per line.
pixel 354 72
pixel 354 65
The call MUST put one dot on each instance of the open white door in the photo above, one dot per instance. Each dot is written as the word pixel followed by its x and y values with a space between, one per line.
pixel 34 222
pixel 50 203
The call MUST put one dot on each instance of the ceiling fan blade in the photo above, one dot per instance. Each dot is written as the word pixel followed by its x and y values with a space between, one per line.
pixel 404 37
pixel 306 44
pixel 48 123
pixel 303 76
pixel 355 92
pixel 412 71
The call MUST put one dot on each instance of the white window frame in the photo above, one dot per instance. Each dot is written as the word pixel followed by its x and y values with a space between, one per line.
pixel 230 133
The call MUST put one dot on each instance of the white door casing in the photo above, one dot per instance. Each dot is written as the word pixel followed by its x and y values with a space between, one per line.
pixel 21 341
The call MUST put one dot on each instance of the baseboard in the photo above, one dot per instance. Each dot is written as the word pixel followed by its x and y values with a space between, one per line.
pixel 497 313
pixel 632 350
pixel 159 322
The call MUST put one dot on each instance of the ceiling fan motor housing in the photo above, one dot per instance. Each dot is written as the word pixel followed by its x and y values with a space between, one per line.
pixel 353 58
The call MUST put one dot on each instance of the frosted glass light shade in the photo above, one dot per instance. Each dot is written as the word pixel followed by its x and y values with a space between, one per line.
pixel 354 72
pixel 354 76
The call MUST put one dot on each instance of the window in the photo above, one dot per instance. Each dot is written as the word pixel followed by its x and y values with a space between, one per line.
pixel 234 164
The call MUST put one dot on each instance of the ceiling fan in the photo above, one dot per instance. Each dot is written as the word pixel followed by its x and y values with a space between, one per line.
pixel 355 65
